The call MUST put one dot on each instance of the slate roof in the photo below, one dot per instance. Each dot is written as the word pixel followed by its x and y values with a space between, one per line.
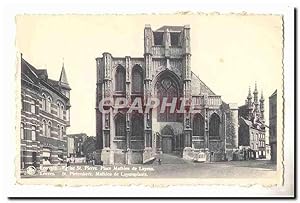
pixel 38 75
pixel 199 86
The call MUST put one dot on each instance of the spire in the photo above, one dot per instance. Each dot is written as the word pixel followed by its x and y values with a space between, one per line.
pixel 262 97
pixel 249 94
pixel 255 90
pixel 262 107
pixel 63 81
pixel 249 104
pixel 255 93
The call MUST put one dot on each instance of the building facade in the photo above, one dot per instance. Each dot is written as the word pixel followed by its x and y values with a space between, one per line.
pixel 44 116
pixel 75 144
pixel 252 125
pixel 164 71
pixel 273 125
pixel 71 147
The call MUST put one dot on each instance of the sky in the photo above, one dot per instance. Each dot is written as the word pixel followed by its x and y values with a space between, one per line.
pixel 229 52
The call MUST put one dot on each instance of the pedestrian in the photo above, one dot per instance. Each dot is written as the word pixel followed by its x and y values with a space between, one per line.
pixel 159 161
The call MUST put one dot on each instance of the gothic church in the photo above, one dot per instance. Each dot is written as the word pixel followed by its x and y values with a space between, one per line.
pixel 163 71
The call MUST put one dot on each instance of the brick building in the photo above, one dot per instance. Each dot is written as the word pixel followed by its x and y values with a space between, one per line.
pixel 44 116
pixel 164 71
pixel 252 125
pixel 273 125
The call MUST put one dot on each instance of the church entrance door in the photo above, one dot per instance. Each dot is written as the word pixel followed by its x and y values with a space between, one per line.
pixel 167 144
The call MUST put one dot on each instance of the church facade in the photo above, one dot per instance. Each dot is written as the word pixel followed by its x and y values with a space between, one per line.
pixel 210 129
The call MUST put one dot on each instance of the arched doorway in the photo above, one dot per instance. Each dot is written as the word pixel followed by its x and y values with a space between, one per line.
pixel 120 131
pixel 167 140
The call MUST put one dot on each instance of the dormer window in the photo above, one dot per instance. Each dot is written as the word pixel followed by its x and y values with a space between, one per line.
pixel 175 38
pixel 158 38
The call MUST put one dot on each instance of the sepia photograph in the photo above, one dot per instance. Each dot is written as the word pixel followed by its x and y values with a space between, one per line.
pixel 159 100
pixel 150 105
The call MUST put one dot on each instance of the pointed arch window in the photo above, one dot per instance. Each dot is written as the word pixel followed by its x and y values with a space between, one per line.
pixel 166 91
pixel 44 128
pixel 44 102
pixel 49 101
pixel 61 132
pixel 120 125
pixel 120 79
pixel 33 107
pixel 137 123
pixel 60 110
pixel 198 125
pixel 214 126
pixel 137 80
pixel 49 127
pixel 33 133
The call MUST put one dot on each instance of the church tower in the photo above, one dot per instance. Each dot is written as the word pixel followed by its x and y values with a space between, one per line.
pixel 262 107
pixel 65 89
pixel 163 73
pixel 255 102
pixel 249 104
pixel 63 82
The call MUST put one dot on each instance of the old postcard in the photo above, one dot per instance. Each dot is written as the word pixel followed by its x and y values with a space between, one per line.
pixel 155 100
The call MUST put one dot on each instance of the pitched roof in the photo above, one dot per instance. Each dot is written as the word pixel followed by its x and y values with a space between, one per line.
pixel 170 28
pixel 249 123
pixel 42 75
pixel 199 86
pixel 63 81
pixel 274 93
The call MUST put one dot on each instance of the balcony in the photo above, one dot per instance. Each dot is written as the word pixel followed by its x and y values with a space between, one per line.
pixel 212 101
pixel 158 51
pixel 176 51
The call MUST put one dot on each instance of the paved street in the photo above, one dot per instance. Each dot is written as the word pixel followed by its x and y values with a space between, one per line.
pixel 234 169
pixel 171 166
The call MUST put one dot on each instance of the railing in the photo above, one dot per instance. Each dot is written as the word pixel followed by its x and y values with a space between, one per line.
pixel 175 51
pixel 198 100
pixel 212 100
pixel 158 51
